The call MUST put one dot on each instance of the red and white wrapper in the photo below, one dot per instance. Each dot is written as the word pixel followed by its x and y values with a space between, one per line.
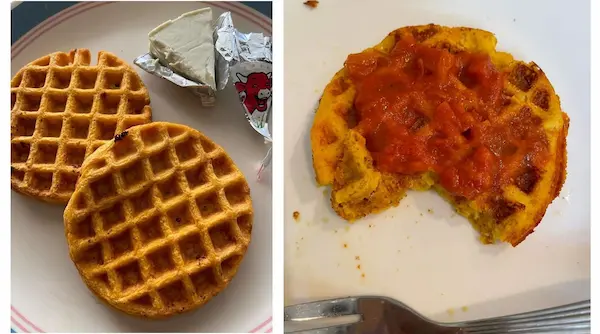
pixel 246 58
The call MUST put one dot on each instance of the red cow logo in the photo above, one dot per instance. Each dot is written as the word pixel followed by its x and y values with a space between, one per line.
pixel 254 90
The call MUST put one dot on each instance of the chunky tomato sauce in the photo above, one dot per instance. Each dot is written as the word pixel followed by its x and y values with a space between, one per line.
pixel 422 108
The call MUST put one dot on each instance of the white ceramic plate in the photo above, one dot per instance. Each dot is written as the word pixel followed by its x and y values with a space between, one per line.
pixel 47 292
pixel 434 262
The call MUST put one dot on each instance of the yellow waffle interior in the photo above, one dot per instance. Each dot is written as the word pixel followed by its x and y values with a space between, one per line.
pixel 62 109
pixel 342 158
pixel 160 220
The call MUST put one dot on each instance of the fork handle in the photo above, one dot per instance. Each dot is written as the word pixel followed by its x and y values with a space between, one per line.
pixel 572 318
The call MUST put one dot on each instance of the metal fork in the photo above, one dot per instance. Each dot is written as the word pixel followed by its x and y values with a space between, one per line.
pixel 382 315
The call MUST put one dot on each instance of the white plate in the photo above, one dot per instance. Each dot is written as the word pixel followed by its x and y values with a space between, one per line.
pixel 434 262
pixel 47 292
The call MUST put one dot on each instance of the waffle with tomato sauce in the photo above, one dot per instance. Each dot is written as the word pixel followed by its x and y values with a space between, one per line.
pixel 504 207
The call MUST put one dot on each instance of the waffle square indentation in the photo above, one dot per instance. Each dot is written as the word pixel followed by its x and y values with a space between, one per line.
pixel 79 128
pixel 222 166
pixel 160 162
pixel 196 177
pixel 150 230
pixel 174 294
pixel 84 229
pixel 66 182
pixel 57 103
pixel 204 282
pixel 186 151
pixel 121 244
pixel 169 188
pixel 161 261
pixel 19 152
pixel 24 126
pixel 208 205
pixel 222 236
pixel 112 216
pixel 30 102
pixel 82 104
pixel 133 174
pixel 191 248
pixel 103 188
pixel 180 216
pixel 142 202
pixel 130 275
pixel 51 127
pixel 46 153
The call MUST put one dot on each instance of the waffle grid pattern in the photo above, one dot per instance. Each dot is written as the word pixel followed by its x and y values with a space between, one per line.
pixel 523 81
pixel 63 109
pixel 161 221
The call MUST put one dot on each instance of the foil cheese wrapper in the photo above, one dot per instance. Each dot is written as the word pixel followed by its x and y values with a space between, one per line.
pixel 246 59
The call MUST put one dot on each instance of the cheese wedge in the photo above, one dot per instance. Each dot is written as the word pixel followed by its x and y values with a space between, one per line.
pixel 185 45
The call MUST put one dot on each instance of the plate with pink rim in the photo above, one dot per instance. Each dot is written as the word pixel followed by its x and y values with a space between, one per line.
pixel 46 290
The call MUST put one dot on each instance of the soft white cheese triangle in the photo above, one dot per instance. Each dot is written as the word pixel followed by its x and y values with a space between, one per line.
pixel 185 45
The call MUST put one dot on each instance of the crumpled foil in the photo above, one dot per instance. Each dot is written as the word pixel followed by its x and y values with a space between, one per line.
pixel 247 59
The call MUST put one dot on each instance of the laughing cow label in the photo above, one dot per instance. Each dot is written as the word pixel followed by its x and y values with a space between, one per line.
pixel 253 84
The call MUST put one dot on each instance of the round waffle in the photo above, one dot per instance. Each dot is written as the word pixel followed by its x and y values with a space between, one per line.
pixel 159 221
pixel 509 212
pixel 62 109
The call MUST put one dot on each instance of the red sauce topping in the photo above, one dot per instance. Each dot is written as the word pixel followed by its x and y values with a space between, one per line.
pixel 422 108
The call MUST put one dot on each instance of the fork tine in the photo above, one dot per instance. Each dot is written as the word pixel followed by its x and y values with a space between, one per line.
pixel 321 309
pixel 572 318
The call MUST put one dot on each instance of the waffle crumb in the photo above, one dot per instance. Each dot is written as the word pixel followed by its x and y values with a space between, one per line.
pixel 311 3
pixel 296 215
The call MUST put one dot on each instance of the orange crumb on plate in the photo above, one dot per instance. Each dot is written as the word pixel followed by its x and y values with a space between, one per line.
pixel 312 3
pixel 296 215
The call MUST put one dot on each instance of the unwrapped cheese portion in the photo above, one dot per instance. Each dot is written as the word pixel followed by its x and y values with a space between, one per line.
pixel 186 46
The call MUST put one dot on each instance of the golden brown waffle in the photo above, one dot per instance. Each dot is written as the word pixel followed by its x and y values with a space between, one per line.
pixel 63 109
pixel 510 213
pixel 159 221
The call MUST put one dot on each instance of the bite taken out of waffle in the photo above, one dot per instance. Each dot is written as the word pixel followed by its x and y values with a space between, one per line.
pixel 160 220
pixel 63 109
